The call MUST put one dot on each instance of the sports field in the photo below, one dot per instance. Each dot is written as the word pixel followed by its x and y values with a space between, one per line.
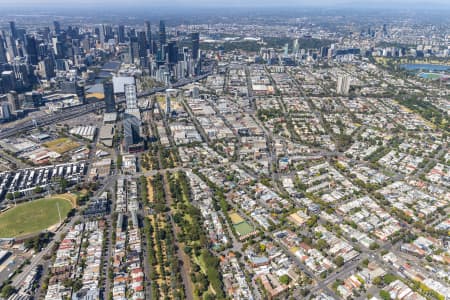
pixel 32 217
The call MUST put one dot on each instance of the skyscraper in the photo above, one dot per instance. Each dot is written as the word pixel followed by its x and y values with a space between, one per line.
pixel 148 35
pixel 47 68
pixel 31 49
pixel 343 85
pixel 168 108
pixel 142 44
pixel 162 33
pixel 3 58
pixel 57 27
pixel 133 49
pixel 121 34
pixel 110 102
pixel 172 52
pixel 12 47
pixel 12 28
pixel 130 96
pixel 195 39
pixel 13 100
pixel 5 112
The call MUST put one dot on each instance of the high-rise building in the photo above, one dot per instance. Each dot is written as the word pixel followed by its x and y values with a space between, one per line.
pixel 110 103
pixel 296 46
pixel 121 34
pixel 12 47
pixel 13 30
pixel 172 52
pixel 133 48
pixel 142 44
pixel 168 108
pixel 13 100
pixel 31 49
pixel 106 33
pixel 3 58
pixel 32 100
pixel 130 96
pixel 148 35
pixel 343 85
pixel 195 39
pixel 57 27
pixel 162 33
pixel 5 112
pixel 47 68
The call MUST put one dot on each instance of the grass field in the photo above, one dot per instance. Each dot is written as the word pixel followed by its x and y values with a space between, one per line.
pixel 32 217
pixel 61 145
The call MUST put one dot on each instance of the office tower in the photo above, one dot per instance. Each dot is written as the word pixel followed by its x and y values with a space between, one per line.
pixel 13 100
pixel 148 35
pixel 162 34
pixel 324 51
pixel 296 46
pixel 3 58
pixel 168 108
pixel 132 140
pixel 195 39
pixel 385 32
pixel 47 68
pixel 130 96
pixel 343 85
pixel 8 81
pixel 195 92
pixel 106 33
pixel 57 27
pixel 172 52
pixel 6 112
pixel 142 44
pixel 13 30
pixel 110 102
pixel 286 49
pixel 12 47
pixel 31 49
pixel 121 34
pixel 32 100
pixel 133 49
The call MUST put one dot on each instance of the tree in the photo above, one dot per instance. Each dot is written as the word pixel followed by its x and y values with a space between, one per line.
pixel 374 246
pixel 339 261
pixel 284 279
pixel 321 244
pixel 365 262
pixel 63 184
pixel 389 278
pixel 377 281
pixel 7 290
pixel 385 295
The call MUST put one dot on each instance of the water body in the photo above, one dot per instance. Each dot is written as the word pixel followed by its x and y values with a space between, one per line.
pixel 425 67
pixel 432 76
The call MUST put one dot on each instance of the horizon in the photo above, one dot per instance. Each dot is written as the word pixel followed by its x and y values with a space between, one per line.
pixel 203 4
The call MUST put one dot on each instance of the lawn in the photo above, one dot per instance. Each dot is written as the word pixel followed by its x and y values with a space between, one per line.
pixel 62 145
pixel 32 217
pixel 243 228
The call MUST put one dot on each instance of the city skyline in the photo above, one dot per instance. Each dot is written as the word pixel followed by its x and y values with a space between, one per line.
pixel 232 3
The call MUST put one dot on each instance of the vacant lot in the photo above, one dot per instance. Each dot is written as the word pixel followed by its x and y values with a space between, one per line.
pixel 61 145
pixel 33 217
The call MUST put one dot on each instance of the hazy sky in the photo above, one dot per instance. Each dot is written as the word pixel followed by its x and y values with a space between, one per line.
pixel 214 3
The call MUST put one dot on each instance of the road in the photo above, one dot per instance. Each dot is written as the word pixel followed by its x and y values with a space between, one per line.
pixel 36 260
